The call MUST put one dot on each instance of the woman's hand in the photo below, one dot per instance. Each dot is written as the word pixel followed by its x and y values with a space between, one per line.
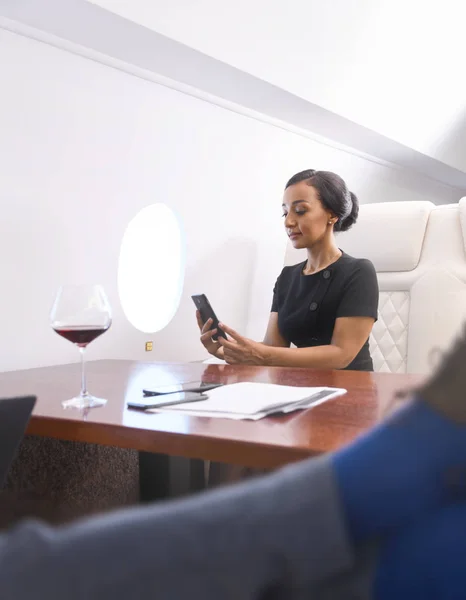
pixel 209 344
pixel 241 350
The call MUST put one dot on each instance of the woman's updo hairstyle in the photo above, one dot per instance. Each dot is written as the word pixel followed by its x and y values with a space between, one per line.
pixel 334 195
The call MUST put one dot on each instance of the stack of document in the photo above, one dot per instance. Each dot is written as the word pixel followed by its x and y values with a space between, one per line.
pixel 254 401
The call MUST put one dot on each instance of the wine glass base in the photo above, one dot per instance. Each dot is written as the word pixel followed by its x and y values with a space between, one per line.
pixel 87 401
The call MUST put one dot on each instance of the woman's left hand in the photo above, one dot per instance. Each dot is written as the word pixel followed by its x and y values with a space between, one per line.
pixel 241 350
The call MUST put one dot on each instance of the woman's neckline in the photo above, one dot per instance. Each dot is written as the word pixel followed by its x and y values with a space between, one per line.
pixel 324 268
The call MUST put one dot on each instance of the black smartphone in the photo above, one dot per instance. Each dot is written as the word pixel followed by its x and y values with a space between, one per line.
pixel 207 312
pixel 191 386
pixel 164 400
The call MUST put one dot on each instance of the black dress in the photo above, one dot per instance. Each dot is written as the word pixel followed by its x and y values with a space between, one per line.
pixel 308 305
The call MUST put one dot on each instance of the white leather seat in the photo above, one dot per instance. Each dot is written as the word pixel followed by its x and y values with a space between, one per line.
pixel 419 252
pixel 440 299
pixel 392 235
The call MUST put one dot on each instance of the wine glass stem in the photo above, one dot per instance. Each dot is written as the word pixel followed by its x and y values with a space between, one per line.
pixel 83 372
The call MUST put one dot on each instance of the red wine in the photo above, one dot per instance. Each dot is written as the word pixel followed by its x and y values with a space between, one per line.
pixel 81 335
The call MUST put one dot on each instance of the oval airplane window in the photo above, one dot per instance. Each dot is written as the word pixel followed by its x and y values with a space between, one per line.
pixel 151 268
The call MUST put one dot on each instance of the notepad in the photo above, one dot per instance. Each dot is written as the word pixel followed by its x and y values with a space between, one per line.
pixel 253 401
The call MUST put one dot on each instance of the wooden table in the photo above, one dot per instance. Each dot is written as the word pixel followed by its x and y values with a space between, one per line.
pixel 270 442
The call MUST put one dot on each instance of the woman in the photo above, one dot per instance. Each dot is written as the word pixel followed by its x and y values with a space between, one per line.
pixel 325 306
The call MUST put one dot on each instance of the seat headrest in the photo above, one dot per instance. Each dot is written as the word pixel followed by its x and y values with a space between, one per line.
pixel 390 234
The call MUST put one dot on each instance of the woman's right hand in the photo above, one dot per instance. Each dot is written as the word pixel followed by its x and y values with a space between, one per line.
pixel 209 344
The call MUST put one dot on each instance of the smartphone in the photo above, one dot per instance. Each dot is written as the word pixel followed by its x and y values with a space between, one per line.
pixel 191 386
pixel 163 401
pixel 207 312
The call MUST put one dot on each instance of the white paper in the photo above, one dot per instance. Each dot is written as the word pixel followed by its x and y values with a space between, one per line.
pixel 252 400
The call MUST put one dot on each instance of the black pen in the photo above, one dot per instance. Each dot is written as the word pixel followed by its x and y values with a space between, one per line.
pixel 204 387
pixel 168 400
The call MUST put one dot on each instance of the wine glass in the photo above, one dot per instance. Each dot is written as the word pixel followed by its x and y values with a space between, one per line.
pixel 80 314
